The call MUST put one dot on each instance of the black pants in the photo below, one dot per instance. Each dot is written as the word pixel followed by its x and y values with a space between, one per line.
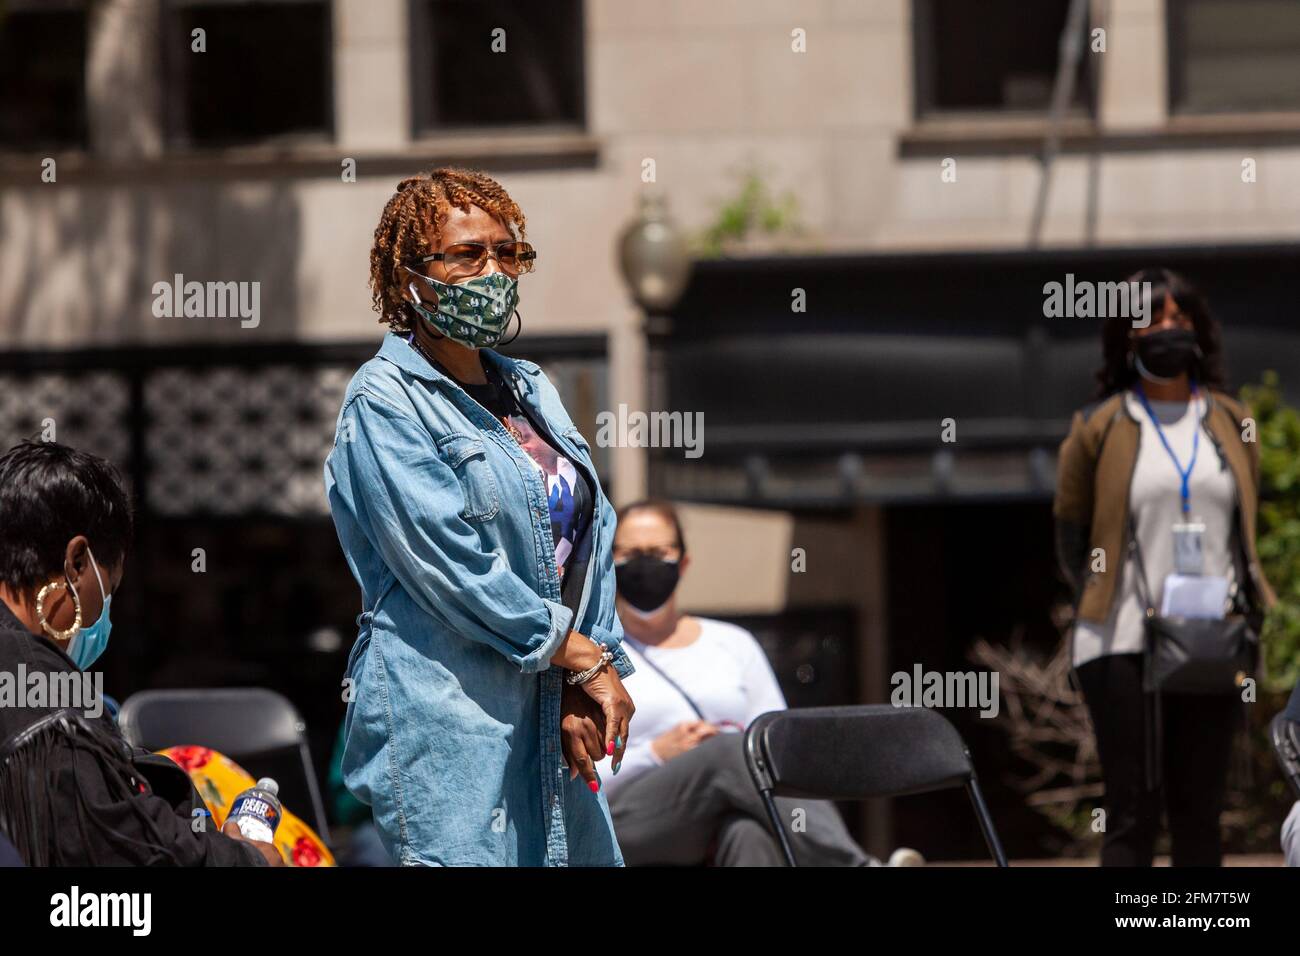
pixel 1197 743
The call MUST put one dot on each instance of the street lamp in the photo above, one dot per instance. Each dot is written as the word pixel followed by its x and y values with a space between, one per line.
pixel 655 264
pixel 653 257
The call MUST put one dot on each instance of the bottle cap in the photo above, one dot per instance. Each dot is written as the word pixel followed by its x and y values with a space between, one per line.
pixel 267 783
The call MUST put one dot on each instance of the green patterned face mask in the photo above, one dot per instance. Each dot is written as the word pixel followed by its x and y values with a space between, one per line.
pixel 473 313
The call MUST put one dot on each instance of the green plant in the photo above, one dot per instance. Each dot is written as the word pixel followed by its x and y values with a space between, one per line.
pixel 1277 430
pixel 1259 803
pixel 752 211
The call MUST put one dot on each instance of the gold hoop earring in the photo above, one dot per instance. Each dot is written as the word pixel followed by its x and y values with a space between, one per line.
pixel 58 635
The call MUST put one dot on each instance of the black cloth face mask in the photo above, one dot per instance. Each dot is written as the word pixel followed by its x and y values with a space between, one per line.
pixel 646 582
pixel 1167 353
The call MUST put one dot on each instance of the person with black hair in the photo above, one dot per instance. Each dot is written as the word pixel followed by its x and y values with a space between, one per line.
pixel 72 790
pixel 1161 470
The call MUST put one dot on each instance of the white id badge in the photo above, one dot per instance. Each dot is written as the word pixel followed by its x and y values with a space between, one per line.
pixel 1199 595
pixel 1189 539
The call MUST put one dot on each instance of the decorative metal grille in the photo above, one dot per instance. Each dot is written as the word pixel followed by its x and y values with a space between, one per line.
pixel 233 441
pixel 87 410
pixel 222 432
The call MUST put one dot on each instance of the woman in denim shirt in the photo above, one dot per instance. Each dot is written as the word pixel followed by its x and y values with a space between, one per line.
pixel 468 508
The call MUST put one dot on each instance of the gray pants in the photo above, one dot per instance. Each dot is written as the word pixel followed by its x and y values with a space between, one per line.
pixel 705 798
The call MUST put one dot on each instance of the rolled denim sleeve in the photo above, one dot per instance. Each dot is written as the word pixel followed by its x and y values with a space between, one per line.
pixel 408 501
pixel 614 640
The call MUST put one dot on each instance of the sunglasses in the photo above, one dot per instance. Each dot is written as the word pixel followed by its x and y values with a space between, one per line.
pixel 465 259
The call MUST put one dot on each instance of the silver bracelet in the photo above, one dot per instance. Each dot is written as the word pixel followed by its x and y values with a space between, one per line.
pixel 581 677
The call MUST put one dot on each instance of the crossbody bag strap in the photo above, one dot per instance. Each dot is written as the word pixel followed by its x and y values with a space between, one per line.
pixel 640 648
pixel 1245 599
pixel 1152 731
pixel 1144 590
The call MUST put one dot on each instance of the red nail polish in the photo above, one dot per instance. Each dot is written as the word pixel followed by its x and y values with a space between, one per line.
pixel 595 787
pixel 609 749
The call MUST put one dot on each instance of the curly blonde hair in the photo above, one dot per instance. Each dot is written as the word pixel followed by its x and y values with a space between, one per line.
pixel 400 235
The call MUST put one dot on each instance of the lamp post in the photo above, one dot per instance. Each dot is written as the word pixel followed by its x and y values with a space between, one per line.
pixel 653 257
pixel 655 265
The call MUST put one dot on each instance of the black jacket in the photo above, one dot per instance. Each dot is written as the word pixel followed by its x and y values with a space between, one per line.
pixel 74 792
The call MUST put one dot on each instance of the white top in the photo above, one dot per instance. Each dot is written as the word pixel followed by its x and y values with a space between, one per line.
pixel 724 671
pixel 1156 506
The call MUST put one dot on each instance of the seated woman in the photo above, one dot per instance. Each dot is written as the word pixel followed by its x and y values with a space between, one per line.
pixel 72 790
pixel 682 794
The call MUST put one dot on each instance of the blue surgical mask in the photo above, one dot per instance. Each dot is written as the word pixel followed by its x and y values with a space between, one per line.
pixel 90 642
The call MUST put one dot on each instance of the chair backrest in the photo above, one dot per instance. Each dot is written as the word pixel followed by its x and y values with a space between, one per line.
pixel 257 728
pixel 233 720
pixel 851 753
pixel 1285 737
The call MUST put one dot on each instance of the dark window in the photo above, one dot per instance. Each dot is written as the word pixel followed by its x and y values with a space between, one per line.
pixel 42 76
pixel 994 55
pixel 266 72
pixel 457 80
pixel 1234 56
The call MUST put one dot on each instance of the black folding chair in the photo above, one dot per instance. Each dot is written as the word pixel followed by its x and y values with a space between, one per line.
pixel 852 753
pixel 257 728
pixel 1284 734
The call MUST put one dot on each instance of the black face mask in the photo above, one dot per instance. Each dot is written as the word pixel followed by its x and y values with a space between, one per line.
pixel 1167 353
pixel 646 582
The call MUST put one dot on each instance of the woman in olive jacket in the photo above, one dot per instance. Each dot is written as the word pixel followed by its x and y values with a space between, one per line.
pixel 1162 415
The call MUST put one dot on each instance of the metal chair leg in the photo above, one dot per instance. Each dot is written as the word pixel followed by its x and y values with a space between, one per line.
pixel 986 821
pixel 775 817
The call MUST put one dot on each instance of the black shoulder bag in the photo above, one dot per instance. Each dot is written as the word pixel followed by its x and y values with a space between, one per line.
pixel 1183 655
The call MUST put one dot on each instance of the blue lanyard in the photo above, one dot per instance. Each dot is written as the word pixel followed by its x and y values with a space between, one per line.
pixel 1184 475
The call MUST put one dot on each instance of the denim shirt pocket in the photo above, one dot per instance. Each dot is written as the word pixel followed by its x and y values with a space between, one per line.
pixel 467 456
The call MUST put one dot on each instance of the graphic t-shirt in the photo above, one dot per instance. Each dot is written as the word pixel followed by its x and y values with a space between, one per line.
pixel 568 493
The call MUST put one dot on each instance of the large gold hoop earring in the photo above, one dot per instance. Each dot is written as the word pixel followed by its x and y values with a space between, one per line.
pixel 58 635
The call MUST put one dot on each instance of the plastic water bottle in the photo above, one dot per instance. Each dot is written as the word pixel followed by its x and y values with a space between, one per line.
pixel 257 810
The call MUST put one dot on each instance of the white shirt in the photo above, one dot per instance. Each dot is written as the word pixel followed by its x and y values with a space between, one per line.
pixel 1156 506
pixel 724 671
